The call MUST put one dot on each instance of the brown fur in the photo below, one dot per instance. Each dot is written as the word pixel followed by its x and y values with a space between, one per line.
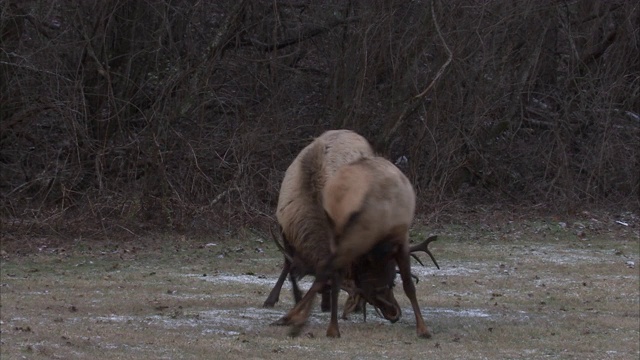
pixel 299 210
pixel 370 204
pixel 382 198
pixel 305 229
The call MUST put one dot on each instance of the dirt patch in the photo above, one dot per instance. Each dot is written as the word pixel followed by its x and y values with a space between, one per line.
pixel 511 290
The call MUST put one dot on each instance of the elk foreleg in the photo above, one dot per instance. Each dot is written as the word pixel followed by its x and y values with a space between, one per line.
pixel 404 265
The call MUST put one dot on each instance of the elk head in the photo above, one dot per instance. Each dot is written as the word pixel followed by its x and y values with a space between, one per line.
pixel 374 279
pixel 374 276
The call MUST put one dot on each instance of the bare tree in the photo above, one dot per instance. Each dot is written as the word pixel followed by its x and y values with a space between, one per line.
pixel 178 112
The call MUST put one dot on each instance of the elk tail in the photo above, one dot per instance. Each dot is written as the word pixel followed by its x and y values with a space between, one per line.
pixel 312 168
pixel 424 246
pixel 280 246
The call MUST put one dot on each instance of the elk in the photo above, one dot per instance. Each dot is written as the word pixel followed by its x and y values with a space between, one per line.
pixel 369 204
pixel 369 278
pixel 363 278
pixel 295 268
pixel 305 228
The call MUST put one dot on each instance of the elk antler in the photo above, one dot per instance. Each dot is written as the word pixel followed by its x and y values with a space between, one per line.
pixel 417 259
pixel 414 276
pixel 424 246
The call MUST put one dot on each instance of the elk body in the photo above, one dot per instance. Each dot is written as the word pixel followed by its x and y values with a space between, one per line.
pixel 370 205
pixel 365 273
pixel 304 227
pixel 295 268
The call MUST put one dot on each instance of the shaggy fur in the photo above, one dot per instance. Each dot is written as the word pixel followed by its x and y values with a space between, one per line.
pixel 370 205
pixel 300 212
pixel 303 224
pixel 368 201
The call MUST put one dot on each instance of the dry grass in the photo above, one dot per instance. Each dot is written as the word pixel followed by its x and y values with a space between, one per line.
pixel 511 290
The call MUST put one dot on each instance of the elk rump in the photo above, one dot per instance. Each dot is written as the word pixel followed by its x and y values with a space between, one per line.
pixel 369 205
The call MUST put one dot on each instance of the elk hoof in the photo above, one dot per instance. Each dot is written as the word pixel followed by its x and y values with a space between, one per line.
pixel 424 333
pixel 281 322
pixel 333 333
pixel 295 330
pixel 268 304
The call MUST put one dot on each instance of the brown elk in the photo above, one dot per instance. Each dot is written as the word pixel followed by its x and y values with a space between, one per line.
pixel 304 227
pixel 296 269
pixel 364 273
pixel 368 277
pixel 370 205
pixel 364 278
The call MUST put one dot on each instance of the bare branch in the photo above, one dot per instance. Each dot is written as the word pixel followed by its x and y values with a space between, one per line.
pixel 305 35
pixel 446 63
pixel 413 104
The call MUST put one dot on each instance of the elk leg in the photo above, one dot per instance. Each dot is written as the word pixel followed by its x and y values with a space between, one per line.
pixel 333 330
pixel 325 304
pixel 297 294
pixel 404 264
pixel 274 295
pixel 297 317
pixel 363 304
pixel 293 316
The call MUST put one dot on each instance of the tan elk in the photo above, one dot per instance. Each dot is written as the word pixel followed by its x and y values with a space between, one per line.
pixel 370 205
pixel 364 278
pixel 305 229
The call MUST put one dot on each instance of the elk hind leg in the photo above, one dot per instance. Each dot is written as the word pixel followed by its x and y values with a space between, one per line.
pixel 297 294
pixel 325 304
pixel 298 315
pixel 274 295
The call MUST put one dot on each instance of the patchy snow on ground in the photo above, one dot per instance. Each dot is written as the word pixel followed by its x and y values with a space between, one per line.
pixel 448 270
pixel 245 279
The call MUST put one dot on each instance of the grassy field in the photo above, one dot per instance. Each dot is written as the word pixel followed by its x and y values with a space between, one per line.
pixel 552 289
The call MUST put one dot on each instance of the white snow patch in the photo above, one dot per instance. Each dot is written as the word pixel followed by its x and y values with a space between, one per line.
pixel 115 318
pixel 462 312
pixel 559 255
pixel 451 270
pixel 217 321
pixel 244 279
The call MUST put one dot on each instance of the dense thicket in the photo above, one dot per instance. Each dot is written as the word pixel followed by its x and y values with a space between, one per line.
pixel 186 113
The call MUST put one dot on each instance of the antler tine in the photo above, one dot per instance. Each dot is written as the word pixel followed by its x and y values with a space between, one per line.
pixel 417 258
pixel 424 246
pixel 414 276
pixel 280 246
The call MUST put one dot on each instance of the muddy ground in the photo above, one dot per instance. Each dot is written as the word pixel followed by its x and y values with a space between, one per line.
pixel 514 289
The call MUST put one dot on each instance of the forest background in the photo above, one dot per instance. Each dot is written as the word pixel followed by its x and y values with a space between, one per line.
pixel 123 117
